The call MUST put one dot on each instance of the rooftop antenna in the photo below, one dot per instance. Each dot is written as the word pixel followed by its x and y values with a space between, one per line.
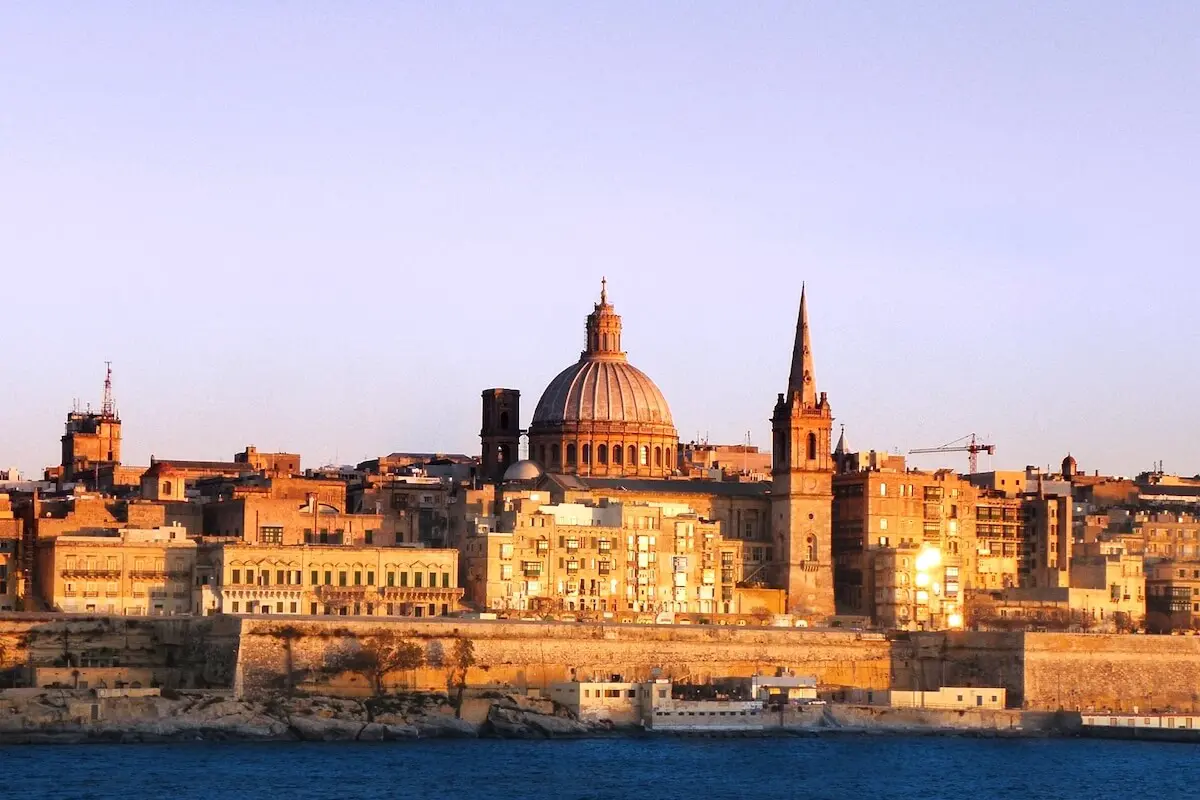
pixel 108 408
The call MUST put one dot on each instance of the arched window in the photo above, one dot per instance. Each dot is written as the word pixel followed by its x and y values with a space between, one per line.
pixel 555 455
pixel 587 454
pixel 658 456
pixel 812 447
pixel 503 454
pixel 644 456
pixel 166 487
pixel 632 456
pixel 667 456
pixel 601 454
pixel 780 448
pixel 812 549
pixel 503 420
pixel 571 455
pixel 618 451
pixel 542 454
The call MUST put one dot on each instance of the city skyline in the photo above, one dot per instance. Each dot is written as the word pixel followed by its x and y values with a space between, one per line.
pixel 326 233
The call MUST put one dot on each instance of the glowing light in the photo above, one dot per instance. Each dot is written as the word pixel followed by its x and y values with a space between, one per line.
pixel 955 620
pixel 928 558
pixel 922 579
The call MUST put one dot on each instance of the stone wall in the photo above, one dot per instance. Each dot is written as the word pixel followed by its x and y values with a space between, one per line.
pixel 1110 671
pixel 202 649
pixel 526 655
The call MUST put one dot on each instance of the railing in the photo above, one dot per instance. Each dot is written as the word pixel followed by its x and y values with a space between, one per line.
pixel 84 572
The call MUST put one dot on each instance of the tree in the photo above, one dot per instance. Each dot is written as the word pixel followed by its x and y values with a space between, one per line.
pixel 380 655
pixel 462 658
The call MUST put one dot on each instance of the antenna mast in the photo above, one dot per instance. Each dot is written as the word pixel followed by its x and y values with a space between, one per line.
pixel 108 408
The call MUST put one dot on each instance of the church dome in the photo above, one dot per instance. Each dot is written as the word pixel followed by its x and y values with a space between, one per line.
pixel 602 416
pixel 525 470
pixel 601 390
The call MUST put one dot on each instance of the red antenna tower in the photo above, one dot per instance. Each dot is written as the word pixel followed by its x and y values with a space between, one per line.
pixel 108 407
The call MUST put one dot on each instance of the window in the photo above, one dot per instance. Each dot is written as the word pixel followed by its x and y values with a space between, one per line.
pixel 369 537
pixel 883 524
pixel 341 579
pixel 166 487
pixel 235 576
pixel 279 576
pixel 632 455
pixel 883 490
pixel 571 455
pixel 616 453
pixel 357 578
pixel 404 579
pixel 270 534
pixel 587 454
pixel 658 456
pixel 644 456
pixel 812 447
pixel 445 580
pixel 602 454
pixel 316 578
pixel 555 455
pixel 370 578
pixel 328 578
pixel 432 579
pixel 236 606
pixel 250 577
pixel 417 576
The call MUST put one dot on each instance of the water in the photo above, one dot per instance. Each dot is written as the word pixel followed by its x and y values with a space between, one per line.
pixel 854 767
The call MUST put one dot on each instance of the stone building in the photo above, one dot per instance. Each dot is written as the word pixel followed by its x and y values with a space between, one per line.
pixel 243 578
pixel 621 561
pixel 11 575
pixel 273 464
pixel 903 511
pixel 416 508
pixel 802 484
pixel 1173 596
pixel 129 571
pixel 291 511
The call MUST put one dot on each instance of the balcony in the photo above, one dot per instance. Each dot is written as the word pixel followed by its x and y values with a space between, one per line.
pixel 93 572
pixel 410 594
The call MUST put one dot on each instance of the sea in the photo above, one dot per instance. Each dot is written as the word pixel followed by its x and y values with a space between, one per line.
pixel 839 767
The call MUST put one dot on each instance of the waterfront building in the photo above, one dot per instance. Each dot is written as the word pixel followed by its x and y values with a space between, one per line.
pixel 955 698
pixel 247 578
pixel 129 571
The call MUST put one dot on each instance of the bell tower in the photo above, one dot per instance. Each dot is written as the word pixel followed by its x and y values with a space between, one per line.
pixel 501 432
pixel 802 484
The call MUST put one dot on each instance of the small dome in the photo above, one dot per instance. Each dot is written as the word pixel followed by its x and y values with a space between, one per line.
pixel 1069 466
pixel 525 470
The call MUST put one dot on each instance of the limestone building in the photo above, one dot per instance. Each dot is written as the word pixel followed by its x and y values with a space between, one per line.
pixel 244 578
pixel 622 561
pixel 802 483
pixel 131 571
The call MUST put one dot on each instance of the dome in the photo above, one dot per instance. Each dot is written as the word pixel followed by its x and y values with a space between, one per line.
pixel 524 470
pixel 1069 466
pixel 602 416
pixel 602 390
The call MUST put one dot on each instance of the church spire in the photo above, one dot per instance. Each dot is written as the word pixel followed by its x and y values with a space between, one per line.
pixel 801 379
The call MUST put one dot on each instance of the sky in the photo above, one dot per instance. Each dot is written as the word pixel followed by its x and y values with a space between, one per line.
pixel 324 228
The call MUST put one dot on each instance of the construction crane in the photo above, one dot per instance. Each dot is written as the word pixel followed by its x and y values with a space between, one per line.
pixel 973 447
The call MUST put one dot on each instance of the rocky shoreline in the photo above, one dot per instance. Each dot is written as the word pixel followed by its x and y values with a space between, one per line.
pixel 54 716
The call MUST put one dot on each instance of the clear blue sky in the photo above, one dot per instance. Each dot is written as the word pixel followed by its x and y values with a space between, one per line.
pixel 326 227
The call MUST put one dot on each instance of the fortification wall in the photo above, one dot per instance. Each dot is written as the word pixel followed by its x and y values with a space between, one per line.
pixel 1111 671
pixel 202 651
pixel 525 655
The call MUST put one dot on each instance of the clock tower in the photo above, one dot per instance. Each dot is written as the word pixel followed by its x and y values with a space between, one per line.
pixel 802 485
